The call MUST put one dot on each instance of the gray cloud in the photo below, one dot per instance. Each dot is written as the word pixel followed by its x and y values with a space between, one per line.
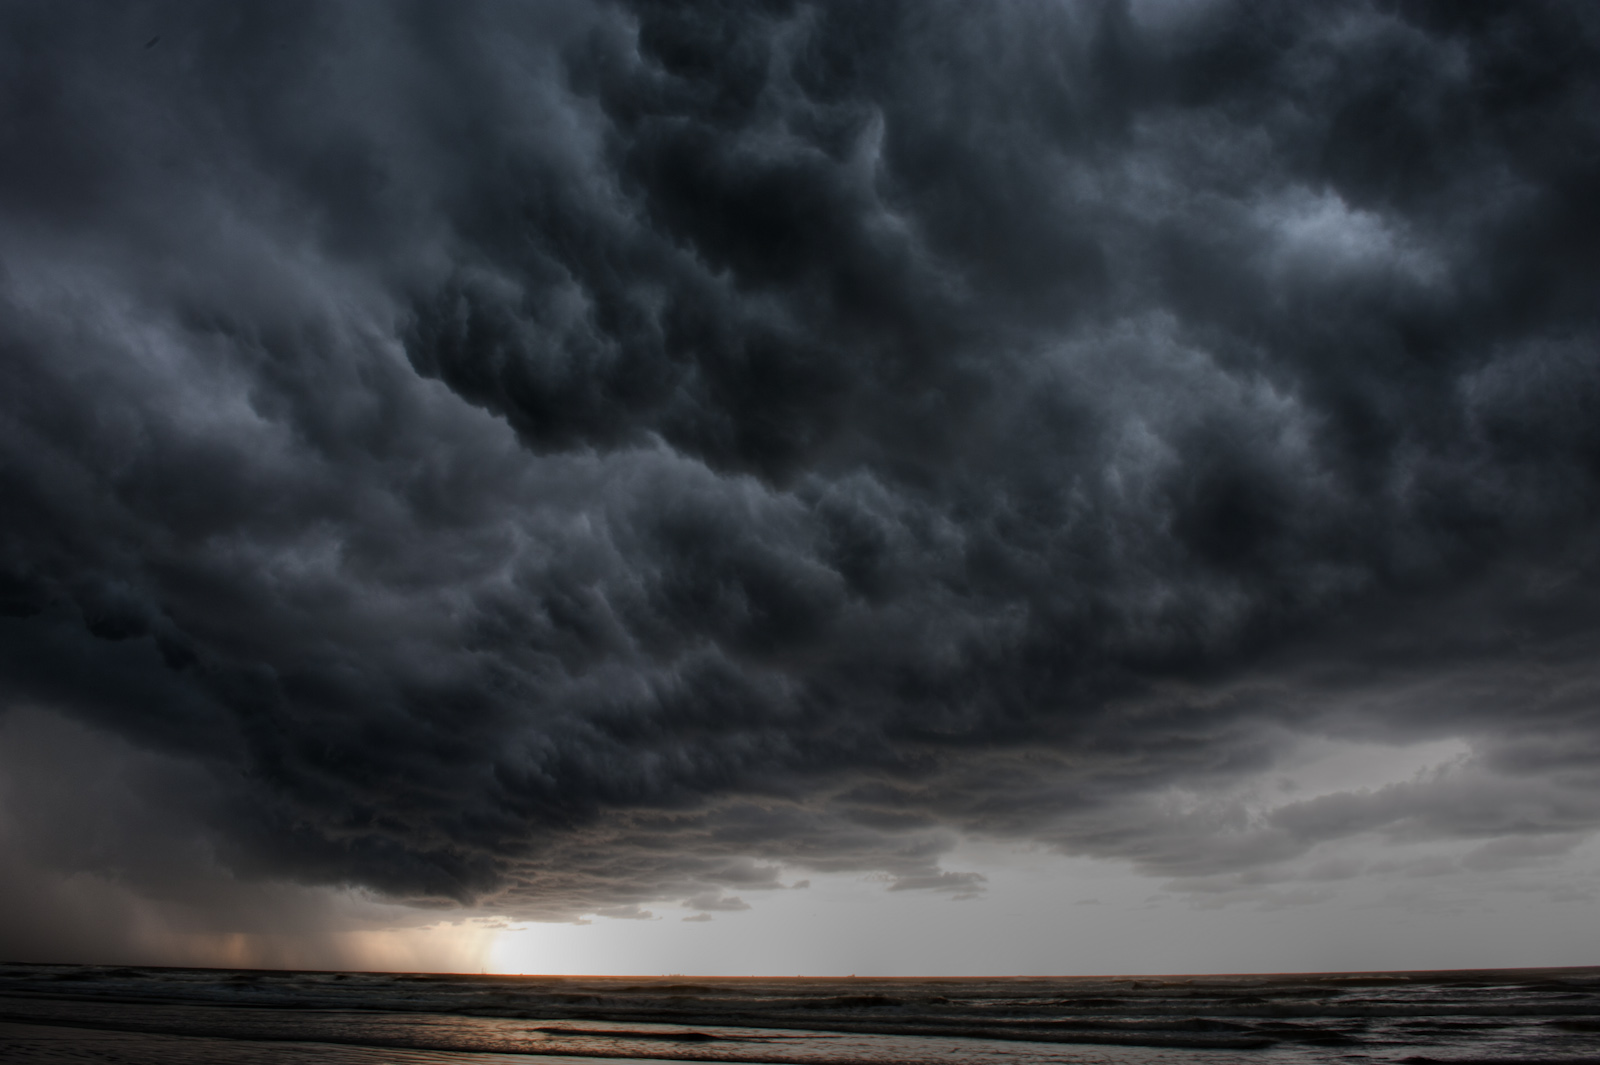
pixel 710 901
pixel 571 456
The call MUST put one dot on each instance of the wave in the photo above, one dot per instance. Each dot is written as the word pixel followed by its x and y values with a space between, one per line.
pixel 1520 1015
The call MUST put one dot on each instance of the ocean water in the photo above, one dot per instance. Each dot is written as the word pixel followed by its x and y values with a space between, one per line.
pixel 133 1016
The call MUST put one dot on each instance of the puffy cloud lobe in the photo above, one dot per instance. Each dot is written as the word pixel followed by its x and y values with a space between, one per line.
pixel 562 456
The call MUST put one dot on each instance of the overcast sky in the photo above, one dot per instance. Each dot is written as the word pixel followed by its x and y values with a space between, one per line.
pixel 770 479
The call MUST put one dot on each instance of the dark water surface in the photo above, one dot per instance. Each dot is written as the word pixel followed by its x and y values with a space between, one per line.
pixel 73 1013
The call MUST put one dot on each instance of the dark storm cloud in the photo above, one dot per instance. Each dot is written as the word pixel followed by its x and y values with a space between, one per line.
pixel 579 456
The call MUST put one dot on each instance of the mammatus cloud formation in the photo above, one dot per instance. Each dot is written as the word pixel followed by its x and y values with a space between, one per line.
pixel 558 457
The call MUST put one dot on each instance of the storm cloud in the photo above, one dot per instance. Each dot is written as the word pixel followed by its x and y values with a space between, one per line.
pixel 559 457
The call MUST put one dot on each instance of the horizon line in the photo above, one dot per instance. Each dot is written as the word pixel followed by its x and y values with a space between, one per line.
pixel 841 976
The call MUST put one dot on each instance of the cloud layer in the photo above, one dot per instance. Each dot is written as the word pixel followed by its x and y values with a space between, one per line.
pixel 564 457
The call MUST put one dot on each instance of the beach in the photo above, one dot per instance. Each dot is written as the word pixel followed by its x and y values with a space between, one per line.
pixel 52 1013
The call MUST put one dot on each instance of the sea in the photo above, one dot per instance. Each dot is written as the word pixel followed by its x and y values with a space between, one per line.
pixel 165 1016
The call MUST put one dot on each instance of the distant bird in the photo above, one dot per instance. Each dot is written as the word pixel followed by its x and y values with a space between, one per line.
pixel 152 42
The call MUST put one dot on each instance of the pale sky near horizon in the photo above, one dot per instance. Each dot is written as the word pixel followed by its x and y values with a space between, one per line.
pixel 1452 905
pixel 1103 486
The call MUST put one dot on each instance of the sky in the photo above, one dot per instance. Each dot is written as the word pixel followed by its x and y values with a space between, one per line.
pixel 1050 486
